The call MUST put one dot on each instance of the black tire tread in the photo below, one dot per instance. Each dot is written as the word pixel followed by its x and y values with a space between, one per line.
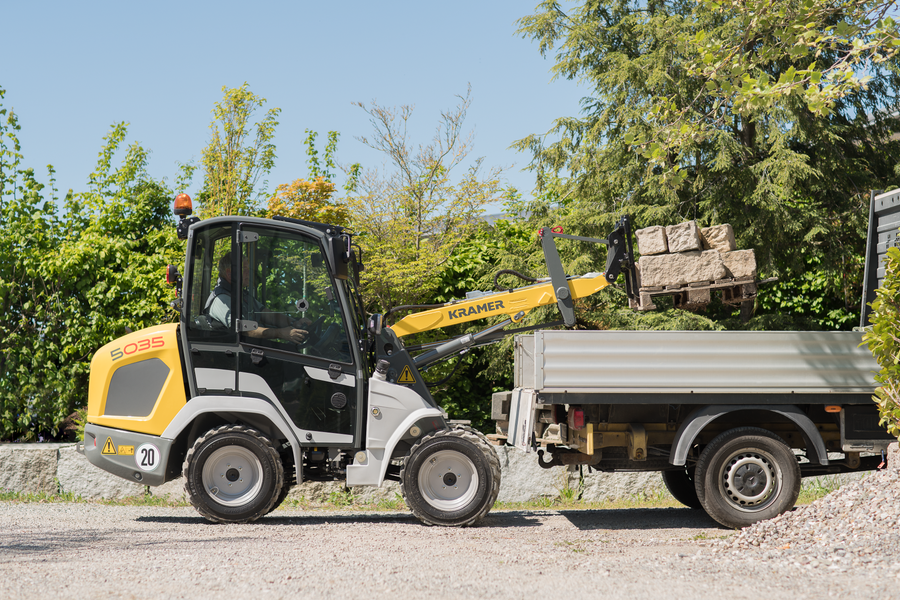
pixel 480 441
pixel 200 506
pixel 791 481
pixel 681 485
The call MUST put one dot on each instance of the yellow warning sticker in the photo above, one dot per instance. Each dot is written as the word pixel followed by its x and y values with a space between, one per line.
pixel 109 447
pixel 406 376
pixel 126 450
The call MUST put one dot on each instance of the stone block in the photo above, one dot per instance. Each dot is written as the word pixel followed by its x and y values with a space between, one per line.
pixel 652 240
pixel 682 268
pixel 172 490
pixel 740 263
pixel 684 237
pixel 78 476
pixel 29 468
pixel 600 487
pixel 718 237
pixel 522 479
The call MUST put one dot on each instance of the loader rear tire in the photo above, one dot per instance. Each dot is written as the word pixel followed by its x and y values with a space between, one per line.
pixel 233 474
pixel 451 477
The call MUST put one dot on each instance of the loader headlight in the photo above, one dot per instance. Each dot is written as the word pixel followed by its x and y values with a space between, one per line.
pixel 360 458
pixel 415 431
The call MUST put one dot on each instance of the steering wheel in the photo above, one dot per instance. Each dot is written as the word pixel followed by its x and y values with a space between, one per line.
pixel 313 333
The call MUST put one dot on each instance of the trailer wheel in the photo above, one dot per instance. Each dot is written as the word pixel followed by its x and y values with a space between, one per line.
pixel 746 475
pixel 233 474
pixel 680 483
pixel 451 477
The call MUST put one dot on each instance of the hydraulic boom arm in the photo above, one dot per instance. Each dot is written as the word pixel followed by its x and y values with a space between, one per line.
pixel 558 287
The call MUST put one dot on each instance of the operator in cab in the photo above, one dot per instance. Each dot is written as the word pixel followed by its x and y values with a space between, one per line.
pixel 279 325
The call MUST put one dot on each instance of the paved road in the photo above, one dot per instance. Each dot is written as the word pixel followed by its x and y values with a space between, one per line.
pixel 94 551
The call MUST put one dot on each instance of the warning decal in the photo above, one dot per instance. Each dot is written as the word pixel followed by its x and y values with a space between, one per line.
pixel 126 450
pixel 406 376
pixel 109 447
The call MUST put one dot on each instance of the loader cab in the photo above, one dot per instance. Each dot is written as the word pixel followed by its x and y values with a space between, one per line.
pixel 247 283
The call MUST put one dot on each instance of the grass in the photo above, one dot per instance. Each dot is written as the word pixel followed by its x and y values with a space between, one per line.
pixel 147 499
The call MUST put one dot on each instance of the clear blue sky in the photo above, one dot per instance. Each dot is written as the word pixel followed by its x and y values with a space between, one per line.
pixel 72 69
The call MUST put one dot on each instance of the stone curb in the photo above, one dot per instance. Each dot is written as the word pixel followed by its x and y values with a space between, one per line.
pixel 60 468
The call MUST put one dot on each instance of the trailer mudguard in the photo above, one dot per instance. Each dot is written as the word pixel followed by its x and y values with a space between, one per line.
pixel 703 416
pixel 235 406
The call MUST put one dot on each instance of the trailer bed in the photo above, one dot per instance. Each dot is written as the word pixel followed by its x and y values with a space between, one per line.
pixel 695 367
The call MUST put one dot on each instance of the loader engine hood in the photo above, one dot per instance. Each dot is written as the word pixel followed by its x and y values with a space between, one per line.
pixel 137 383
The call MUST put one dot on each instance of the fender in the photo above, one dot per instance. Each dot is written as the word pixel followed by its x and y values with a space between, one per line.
pixel 392 410
pixel 218 404
pixel 703 416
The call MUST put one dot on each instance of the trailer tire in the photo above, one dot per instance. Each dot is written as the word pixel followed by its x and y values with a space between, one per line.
pixel 680 483
pixel 451 477
pixel 233 474
pixel 746 475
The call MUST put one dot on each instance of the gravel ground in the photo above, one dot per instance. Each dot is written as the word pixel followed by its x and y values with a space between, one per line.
pixel 858 526
pixel 91 550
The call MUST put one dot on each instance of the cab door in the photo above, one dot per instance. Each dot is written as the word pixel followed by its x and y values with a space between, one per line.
pixel 286 284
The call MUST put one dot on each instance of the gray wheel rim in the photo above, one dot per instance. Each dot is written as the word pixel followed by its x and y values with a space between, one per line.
pixel 750 481
pixel 448 480
pixel 232 475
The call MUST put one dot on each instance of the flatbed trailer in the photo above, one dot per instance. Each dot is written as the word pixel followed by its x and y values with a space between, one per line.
pixel 732 419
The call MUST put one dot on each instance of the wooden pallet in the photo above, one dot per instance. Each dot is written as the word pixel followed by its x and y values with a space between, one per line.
pixel 697 295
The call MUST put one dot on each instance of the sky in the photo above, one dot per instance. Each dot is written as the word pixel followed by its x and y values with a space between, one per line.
pixel 71 70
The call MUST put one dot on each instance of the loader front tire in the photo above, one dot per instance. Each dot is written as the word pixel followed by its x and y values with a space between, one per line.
pixel 233 474
pixel 451 477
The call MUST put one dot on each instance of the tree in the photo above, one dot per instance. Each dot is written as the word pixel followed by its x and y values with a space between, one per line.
pixel 233 164
pixel 71 283
pixel 413 216
pixel 759 117
pixel 884 342
pixel 310 199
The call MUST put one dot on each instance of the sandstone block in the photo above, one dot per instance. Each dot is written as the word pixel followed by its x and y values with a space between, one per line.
pixel 652 240
pixel 740 263
pixel 718 237
pixel 681 269
pixel 684 237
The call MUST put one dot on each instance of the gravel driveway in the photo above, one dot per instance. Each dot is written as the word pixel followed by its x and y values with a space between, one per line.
pixel 96 551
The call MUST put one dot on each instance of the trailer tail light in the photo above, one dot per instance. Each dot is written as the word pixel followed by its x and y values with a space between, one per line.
pixel 576 418
pixel 832 409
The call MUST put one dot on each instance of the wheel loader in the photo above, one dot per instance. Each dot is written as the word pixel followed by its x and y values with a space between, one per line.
pixel 295 382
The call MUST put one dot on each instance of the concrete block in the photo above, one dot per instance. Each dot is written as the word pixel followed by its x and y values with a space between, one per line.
pixel 29 468
pixel 684 237
pixel 652 240
pixel 680 269
pixel 718 237
pixel 740 263
pixel 78 476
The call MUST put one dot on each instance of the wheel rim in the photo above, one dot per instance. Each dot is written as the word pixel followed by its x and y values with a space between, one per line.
pixel 232 476
pixel 448 480
pixel 749 480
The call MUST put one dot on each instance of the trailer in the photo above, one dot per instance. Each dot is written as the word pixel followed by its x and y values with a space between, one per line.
pixel 732 419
